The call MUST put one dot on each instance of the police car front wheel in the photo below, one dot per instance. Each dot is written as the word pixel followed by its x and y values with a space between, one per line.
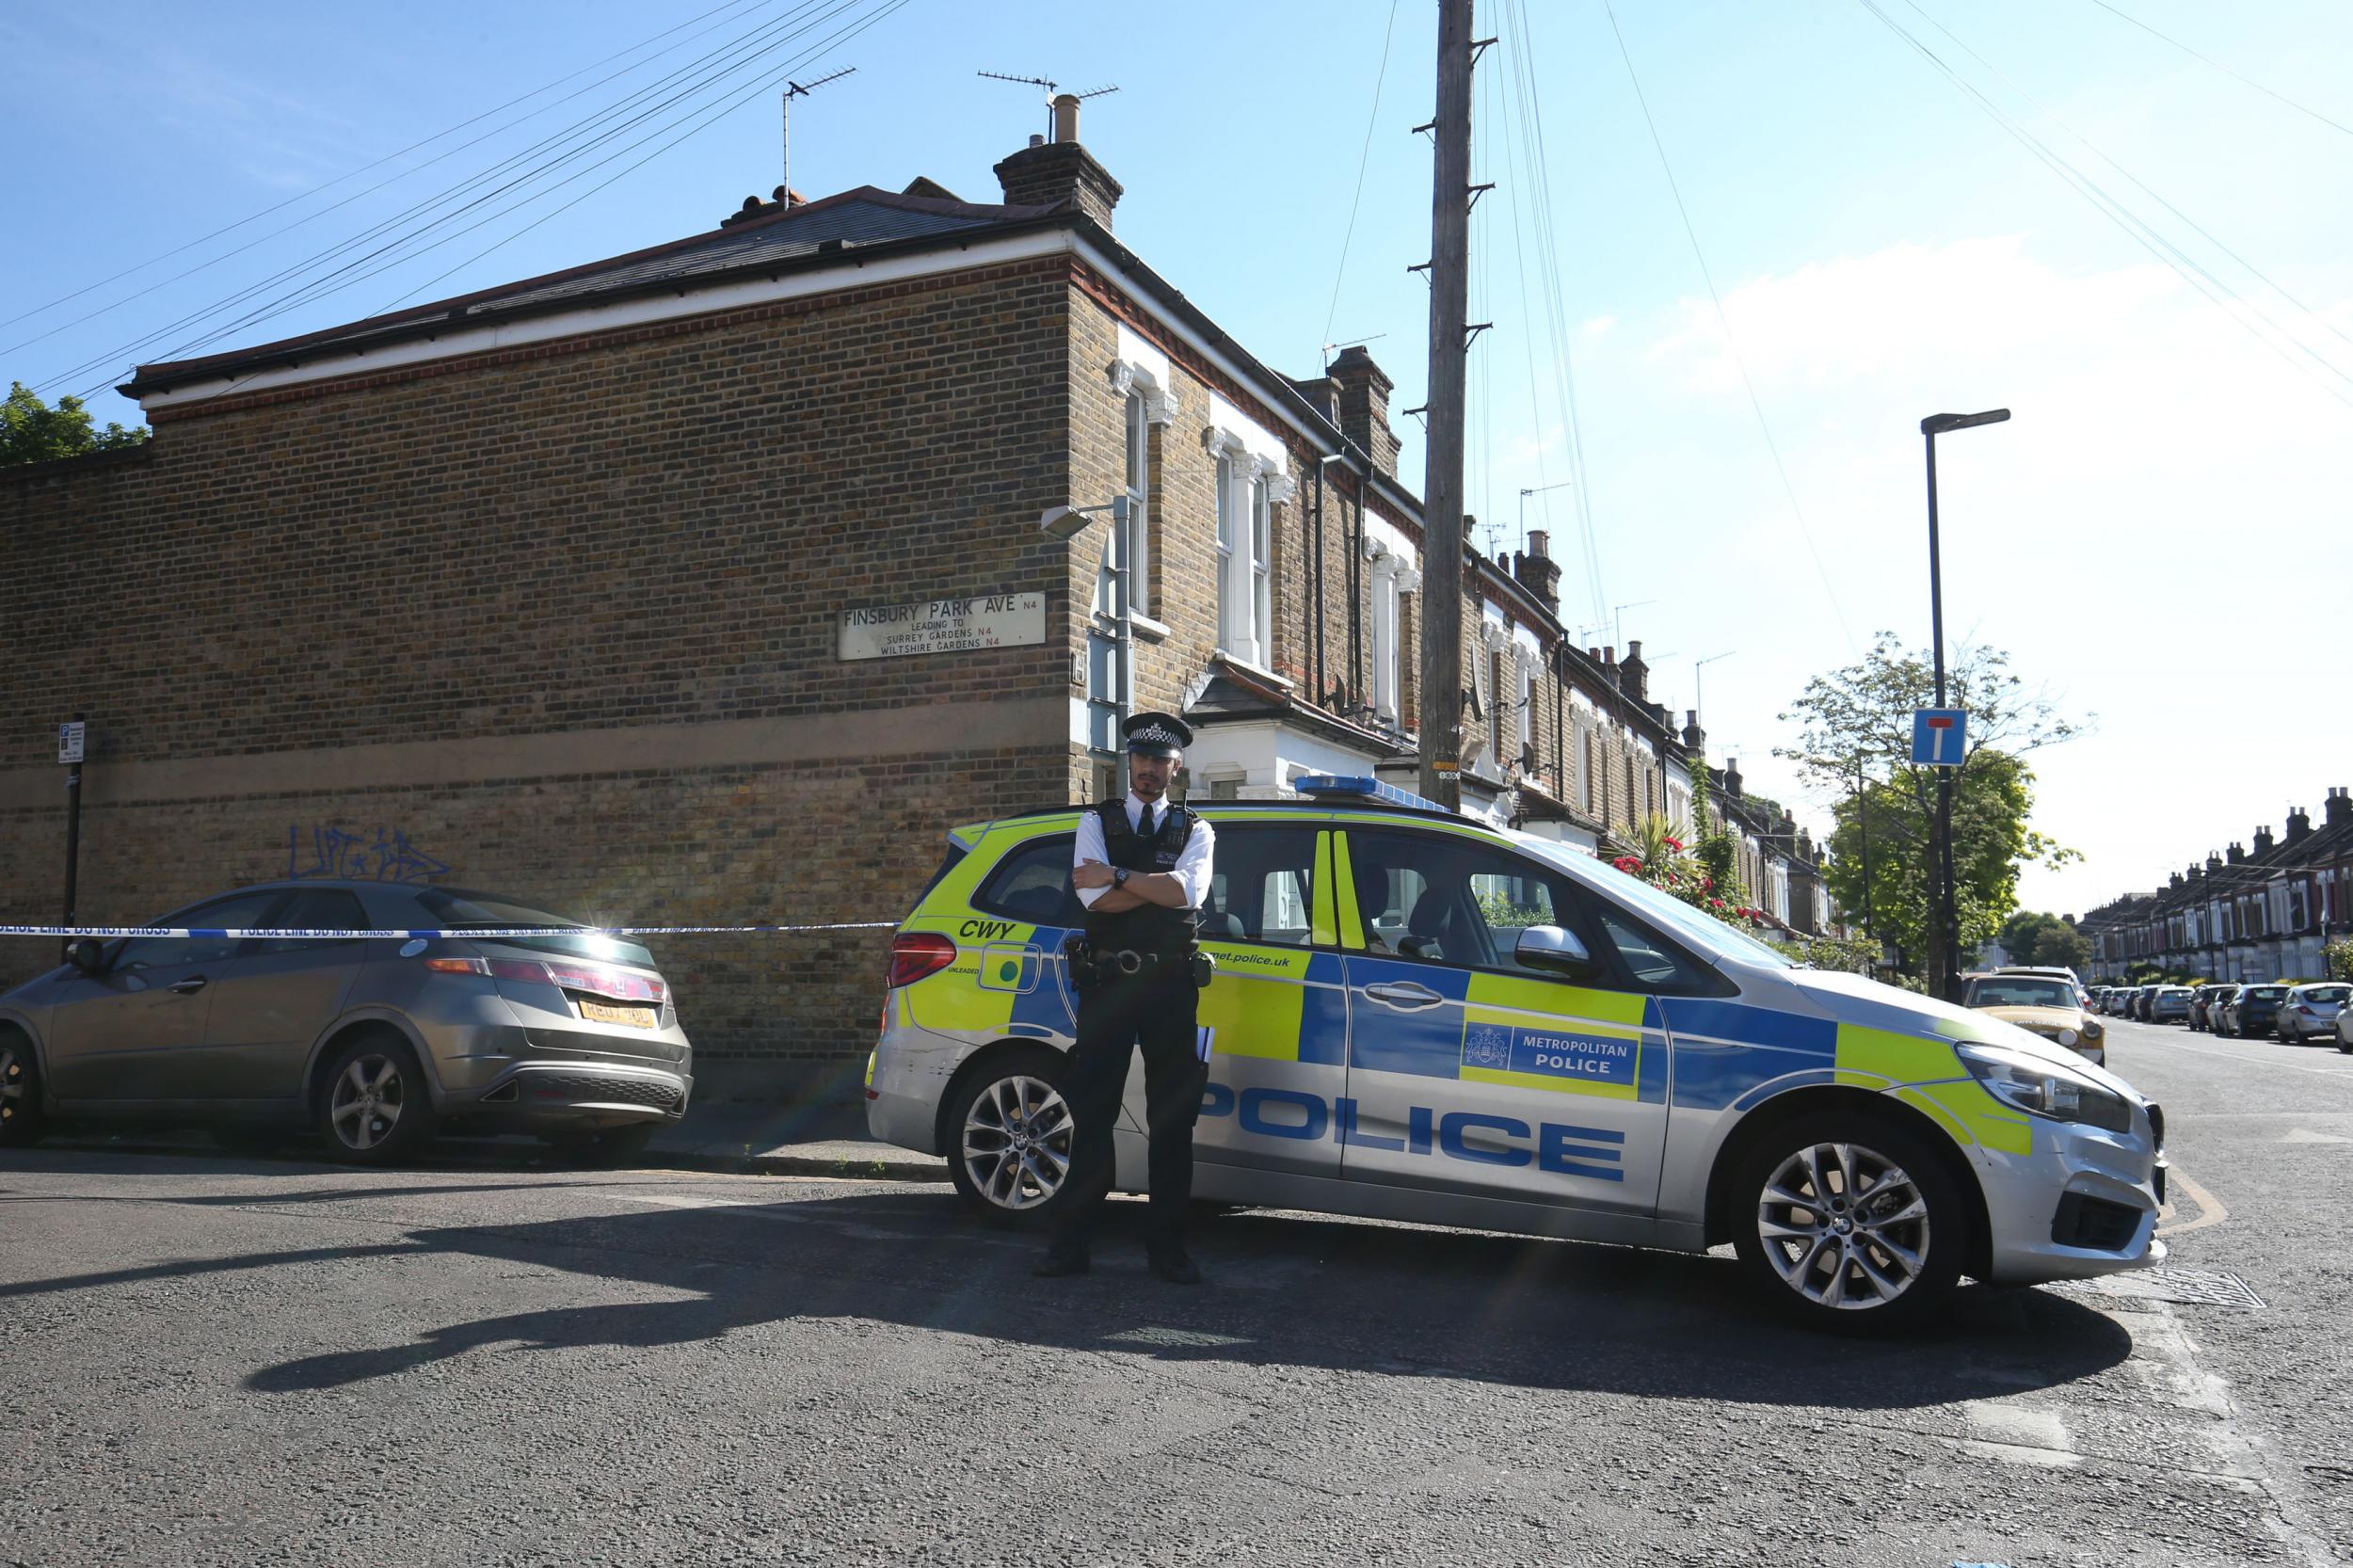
pixel 1009 1137
pixel 1849 1221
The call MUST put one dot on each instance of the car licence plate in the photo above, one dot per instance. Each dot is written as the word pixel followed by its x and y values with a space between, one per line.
pixel 599 1013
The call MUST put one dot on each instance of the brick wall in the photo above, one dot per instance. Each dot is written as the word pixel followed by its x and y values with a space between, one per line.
pixel 442 601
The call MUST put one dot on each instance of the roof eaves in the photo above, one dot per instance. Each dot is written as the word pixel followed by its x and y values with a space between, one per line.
pixel 471 310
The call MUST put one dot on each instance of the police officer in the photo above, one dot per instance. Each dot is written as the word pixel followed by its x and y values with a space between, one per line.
pixel 1142 868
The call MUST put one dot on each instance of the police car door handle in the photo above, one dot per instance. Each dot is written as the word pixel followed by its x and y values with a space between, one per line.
pixel 1403 993
pixel 188 987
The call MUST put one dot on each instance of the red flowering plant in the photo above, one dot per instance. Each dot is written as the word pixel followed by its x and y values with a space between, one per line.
pixel 1660 855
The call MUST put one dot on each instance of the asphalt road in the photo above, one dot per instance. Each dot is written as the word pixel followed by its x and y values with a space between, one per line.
pixel 232 1361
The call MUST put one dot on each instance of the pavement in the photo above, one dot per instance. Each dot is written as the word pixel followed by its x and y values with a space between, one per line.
pixel 480 1360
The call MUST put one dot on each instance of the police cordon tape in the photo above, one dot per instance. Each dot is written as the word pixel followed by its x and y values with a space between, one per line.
pixel 460 933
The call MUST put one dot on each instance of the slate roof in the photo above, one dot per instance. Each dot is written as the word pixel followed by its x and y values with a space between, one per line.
pixel 769 235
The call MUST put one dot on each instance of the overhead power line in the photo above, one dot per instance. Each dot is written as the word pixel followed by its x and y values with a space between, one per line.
pixel 1732 343
pixel 714 69
pixel 1364 160
pixel 2188 269
pixel 730 56
pixel 2237 76
pixel 2203 233
pixel 389 158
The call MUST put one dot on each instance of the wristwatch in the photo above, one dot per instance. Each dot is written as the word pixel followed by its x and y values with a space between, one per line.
pixel 1119 877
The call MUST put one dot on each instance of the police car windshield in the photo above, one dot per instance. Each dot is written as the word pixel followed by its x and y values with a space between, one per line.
pixel 1712 936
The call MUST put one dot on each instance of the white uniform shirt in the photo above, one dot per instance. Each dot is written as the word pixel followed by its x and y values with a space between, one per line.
pixel 1193 865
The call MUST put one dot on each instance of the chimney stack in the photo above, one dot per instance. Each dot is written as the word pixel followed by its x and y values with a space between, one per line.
pixel 2213 862
pixel 1061 173
pixel 2236 854
pixel 1694 738
pixel 1732 778
pixel 1535 571
pixel 2338 810
pixel 2300 825
pixel 1635 676
pixel 2263 841
pixel 1364 389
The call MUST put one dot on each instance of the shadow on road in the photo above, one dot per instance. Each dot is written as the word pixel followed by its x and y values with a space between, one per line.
pixel 1285 1290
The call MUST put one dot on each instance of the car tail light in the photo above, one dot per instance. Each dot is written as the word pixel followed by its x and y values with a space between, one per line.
pixel 917 954
pixel 594 979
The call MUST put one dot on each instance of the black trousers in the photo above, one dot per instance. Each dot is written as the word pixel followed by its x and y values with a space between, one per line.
pixel 1153 1011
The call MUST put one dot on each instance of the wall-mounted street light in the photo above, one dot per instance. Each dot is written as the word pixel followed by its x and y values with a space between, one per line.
pixel 1067 523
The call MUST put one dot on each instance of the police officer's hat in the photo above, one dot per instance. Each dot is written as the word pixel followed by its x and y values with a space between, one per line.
pixel 1157 735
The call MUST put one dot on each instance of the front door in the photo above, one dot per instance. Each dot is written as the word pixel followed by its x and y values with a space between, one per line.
pixel 118 1034
pixel 270 1003
pixel 1470 1072
pixel 1276 1009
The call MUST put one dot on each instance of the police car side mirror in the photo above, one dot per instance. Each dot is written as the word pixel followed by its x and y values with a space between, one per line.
pixel 88 954
pixel 1550 947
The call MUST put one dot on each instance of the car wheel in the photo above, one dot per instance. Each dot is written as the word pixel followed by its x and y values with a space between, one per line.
pixel 604 1145
pixel 2345 1045
pixel 21 1119
pixel 373 1106
pixel 1848 1222
pixel 1009 1137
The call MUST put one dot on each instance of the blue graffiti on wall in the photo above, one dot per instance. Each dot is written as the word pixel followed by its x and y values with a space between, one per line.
pixel 346 857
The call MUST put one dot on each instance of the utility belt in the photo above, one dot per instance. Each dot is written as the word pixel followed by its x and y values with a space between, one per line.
pixel 1091 966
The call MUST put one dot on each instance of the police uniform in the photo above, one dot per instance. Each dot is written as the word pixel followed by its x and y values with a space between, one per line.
pixel 1140 987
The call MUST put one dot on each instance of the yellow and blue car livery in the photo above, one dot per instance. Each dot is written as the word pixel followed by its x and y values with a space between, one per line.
pixel 1387 1043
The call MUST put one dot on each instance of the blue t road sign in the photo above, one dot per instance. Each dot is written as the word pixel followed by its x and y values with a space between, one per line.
pixel 1940 736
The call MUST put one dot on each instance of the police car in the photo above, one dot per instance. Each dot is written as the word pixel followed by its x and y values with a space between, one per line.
pixel 1421 1018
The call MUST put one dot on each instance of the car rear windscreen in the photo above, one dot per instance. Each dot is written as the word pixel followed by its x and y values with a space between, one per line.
pixel 457 909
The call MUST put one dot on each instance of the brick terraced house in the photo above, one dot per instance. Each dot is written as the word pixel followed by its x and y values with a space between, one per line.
pixel 2244 914
pixel 706 585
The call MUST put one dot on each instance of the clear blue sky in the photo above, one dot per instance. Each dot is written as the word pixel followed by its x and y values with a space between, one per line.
pixel 2159 537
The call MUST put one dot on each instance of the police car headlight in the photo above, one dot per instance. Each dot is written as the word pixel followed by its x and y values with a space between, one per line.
pixel 2042 1088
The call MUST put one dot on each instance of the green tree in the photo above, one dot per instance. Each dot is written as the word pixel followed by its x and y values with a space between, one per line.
pixel 2022 934
pixel 33 432
pixel 1855 742
pixel 2064 946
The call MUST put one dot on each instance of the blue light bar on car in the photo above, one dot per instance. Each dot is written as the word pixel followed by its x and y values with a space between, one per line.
pixel 1362 786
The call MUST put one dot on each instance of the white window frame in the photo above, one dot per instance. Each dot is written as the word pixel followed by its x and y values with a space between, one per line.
pixel 1138 542
pixel 1261 572
pixel 1228 539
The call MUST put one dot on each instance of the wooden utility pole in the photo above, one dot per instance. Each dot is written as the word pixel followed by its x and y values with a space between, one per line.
pixel 1442 481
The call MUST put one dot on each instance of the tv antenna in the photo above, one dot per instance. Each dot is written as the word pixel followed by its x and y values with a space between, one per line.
pixel 1050 89
pixel 793 90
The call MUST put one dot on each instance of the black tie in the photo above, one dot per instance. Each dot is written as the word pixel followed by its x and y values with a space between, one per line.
pixel 1145 831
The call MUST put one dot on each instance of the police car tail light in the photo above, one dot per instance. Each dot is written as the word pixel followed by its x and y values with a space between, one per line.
pixel 917 954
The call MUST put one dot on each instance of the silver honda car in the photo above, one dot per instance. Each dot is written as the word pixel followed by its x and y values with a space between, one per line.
pixel 373 1042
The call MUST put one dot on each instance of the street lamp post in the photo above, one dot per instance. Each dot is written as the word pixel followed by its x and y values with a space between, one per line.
pixel 1948 912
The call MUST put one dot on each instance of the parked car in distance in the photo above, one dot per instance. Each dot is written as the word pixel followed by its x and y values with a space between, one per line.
pixel 2205 1004
pixel 2142 997
pixel 2043 1004
pixel 2253 1011
pixel 373 1042
pixel 2344 1029
pixel 2169 1004
pixel 2311 1010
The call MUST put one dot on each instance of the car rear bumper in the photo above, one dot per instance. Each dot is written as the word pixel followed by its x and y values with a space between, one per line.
pixel 535 1095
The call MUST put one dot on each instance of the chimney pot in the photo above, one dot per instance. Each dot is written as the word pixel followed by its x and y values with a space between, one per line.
pixel 1036 140
pixel 1539 544
pixel 1067 117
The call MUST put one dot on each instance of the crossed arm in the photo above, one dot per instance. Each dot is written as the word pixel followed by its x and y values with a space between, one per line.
pixel 1161 888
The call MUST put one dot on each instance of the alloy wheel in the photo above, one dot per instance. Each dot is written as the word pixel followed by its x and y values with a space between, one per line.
pixel 1017 1145
pixel 368 1100
pixel 1844 1226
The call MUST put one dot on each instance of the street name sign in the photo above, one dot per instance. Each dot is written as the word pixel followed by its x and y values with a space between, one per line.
pixel 1940 736
pixel 70 739
pixel 943 626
